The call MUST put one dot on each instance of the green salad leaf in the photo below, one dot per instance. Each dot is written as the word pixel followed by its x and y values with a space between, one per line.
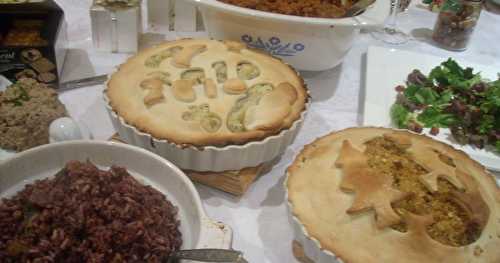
pixel 410 92
pixel 452 5
pixel 400 115
pixel 446 97
pixel 492 98
pixel 453 97
pixel 426 96
pixel 434 117
pixel 450 73
pixel 486 124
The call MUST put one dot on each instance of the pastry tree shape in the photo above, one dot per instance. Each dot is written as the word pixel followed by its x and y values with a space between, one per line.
pixel 429 159
pixel 372 190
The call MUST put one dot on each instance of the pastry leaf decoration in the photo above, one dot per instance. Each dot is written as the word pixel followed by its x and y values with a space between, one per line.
pixel 372 190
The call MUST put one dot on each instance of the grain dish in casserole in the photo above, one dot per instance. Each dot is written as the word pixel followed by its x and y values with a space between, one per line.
pixel 307 8
pixel 85 214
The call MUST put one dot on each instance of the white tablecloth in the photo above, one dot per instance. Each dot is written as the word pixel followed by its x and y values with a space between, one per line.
pixel 259 218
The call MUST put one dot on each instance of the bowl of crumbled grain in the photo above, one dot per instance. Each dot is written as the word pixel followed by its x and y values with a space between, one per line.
pixel 310 35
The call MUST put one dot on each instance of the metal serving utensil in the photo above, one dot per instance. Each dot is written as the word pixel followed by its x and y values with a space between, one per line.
pixel 358 8
pixel 208 255
pixel 73 84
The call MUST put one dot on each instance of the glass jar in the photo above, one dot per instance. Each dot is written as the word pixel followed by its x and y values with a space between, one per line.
pixel 454 26
pixel 403 5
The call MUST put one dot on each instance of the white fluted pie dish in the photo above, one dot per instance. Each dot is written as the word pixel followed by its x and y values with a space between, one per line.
pixel 207 105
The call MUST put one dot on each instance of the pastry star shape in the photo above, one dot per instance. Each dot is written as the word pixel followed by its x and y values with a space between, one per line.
pixel 372 190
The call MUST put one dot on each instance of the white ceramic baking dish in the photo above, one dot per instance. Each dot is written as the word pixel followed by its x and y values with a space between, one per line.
pixel 198 231
pixel 311 246
pixel 306 43
pixel 209 158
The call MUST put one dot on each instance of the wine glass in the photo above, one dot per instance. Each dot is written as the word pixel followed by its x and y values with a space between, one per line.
pixel 390 34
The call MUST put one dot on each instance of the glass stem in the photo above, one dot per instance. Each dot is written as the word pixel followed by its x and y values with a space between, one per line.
pixel 392 21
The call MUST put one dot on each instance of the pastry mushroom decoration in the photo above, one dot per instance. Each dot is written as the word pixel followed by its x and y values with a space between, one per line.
pixel 413 189
pixel 259 106
pixel 155 91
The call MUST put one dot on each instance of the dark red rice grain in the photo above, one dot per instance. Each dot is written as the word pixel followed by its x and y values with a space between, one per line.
pixel 88 215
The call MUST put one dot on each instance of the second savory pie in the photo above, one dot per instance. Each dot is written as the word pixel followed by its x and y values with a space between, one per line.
pixel 206 92
pixel 381 195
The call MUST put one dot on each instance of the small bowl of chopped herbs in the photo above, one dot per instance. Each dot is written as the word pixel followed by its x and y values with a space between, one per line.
pixel 452 97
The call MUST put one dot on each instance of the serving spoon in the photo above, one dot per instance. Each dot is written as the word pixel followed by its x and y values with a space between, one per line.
pixel 208 255
pixel 358 8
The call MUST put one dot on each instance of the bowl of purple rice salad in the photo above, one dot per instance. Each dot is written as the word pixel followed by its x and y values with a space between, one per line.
pixel 89 201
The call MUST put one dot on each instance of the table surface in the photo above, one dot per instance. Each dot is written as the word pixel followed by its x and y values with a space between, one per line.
pixel 259 218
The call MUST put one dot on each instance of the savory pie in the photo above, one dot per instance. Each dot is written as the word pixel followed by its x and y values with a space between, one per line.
pixel 206 92
pixel 381 195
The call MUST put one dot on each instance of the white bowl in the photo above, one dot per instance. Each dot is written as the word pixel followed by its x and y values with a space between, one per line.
pixel 306 43
pixel 198 231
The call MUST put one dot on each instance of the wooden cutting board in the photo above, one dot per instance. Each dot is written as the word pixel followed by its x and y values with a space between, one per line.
pixel 233 182
pixel 298 252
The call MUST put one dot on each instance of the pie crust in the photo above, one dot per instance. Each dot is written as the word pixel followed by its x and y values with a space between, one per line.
pixel 358 225
pixel 203 92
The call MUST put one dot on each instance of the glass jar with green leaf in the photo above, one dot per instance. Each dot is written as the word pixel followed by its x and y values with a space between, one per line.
pixel 456 22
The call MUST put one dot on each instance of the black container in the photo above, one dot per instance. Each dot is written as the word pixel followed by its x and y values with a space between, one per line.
pixel 33 41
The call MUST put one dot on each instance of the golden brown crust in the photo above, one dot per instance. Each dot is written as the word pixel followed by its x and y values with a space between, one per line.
pixel 210 88
pixel 171 61
pixel 235 86
pixel 373 190
pixel 320 205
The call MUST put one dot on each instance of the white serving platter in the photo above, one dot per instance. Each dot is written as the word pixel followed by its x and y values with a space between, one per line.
pixel 387 68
